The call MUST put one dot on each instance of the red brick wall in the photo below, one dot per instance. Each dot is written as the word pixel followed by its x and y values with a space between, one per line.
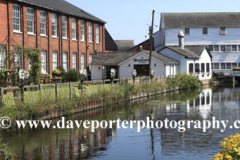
pixel 49 43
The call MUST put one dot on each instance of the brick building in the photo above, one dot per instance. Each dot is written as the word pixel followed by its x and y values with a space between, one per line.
pixel 66 35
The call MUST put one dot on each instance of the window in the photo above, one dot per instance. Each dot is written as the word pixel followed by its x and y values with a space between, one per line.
pixel 216 48
pixel 223 31
pixel 54 25
pixel 223 66
pixel 30 20
pixel 202 67
pixel 64 27
pixel 54 60
pixel 82 61
pixel 222 48
pixel 29 63
pixel 234 65
pixel 229 66
pixel 82 31
pixel 187 31
pixel 44 61
pixel 2 57
pixel 205 31
pixel 234 48
pixel 16 18
pixel 90 58
pixel 228 48
pixel 216 65
pixel 208 67
pixel 65 61
pixel 197 69
pixel 210 47
pixel 190 68
pixel 238 48
pixel 43 22
pixel 17 59
pixel 90 31
pixel 74 33
pixel 97 34
pixel 74 60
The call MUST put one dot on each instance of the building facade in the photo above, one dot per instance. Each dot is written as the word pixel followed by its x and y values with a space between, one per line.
pixel 220 32
pixel 66 35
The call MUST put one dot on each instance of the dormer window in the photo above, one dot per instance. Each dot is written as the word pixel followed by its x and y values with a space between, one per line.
pixel 187 31
pixel 223 31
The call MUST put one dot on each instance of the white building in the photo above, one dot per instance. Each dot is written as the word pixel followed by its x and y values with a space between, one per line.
pixel 195 60
pixel 125 62
pixel 219 31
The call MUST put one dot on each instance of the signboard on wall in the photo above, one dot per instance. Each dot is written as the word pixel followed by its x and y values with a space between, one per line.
pixel 141 60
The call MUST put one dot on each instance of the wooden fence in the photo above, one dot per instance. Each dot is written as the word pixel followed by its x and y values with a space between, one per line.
pixel 137 80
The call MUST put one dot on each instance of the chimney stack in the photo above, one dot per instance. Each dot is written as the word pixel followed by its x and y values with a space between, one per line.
pixel 181 39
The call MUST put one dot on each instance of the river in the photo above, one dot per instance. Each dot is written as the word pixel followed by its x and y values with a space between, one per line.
pixel 116 143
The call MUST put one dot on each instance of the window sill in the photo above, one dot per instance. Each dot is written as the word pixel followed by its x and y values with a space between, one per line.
pixel 55 37
pixel 18 32
pixel 31 34
pixel 75 40
pixel 90 42
pixel 43 35
pixel 83 41
pixel 65 38
pixel 98 43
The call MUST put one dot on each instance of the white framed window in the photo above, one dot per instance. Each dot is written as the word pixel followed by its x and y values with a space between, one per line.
pixel 2 57
pixel 223 31
pixel 16 18
pixel 54 60
pixel 44 61
pixel 216 48
pixel 64 27
pixel 54 25
pixel 30 20
pixel 29 63
pixel 74 27
pixel 228 48
pixel 90 58
pixel 82 61
pixel 43 23
pixel 205 30
pixel 74 60
pixel 17 59
pixel 90 31
pixel 97 34
pixel 187 31
pixel 216 65
pixel 82 31
pixel 65 61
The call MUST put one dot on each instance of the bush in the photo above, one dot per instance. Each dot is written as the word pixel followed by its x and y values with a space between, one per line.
pixel 231 148
pixel 71 75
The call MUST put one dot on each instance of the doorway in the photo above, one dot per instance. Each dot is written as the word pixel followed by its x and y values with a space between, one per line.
pixel 142 70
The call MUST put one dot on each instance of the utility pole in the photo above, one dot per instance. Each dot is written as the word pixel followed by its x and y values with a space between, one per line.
pixel 151 42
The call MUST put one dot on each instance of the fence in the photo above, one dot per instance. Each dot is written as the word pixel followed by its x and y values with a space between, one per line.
pixel 31 97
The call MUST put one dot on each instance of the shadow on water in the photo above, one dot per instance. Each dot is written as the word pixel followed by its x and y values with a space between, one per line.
pixel 221 102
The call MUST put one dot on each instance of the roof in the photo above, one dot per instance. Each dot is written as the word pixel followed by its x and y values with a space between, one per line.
pixel 109 42
pixel 64 7
pixel 124 45
pixel 208 19
pixel 114 58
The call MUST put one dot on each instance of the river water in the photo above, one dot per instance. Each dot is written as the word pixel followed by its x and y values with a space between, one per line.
pixel 119 143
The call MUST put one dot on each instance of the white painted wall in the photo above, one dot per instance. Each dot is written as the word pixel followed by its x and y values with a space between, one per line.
pixel 96 74
pixel 125 71
pixel 184 63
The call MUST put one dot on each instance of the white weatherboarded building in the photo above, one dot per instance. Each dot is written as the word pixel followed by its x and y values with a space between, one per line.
pixel 220 32
pixel 195 60
pixel 125 62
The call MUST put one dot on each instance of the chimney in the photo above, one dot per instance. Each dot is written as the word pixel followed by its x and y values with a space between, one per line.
pixel 181 39
pixel 140 48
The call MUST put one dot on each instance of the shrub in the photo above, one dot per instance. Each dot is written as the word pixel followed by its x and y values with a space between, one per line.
pixel 231 148
pixel 71 75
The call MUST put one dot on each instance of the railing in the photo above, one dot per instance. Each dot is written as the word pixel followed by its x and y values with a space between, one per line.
pixel 137 80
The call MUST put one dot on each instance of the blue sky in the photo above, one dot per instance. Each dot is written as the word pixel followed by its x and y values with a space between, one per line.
pixel 129 19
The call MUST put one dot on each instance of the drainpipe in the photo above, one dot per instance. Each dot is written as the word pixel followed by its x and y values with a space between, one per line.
pixel 61 54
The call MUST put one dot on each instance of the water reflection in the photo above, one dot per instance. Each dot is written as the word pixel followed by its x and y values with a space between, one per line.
pixel 164 143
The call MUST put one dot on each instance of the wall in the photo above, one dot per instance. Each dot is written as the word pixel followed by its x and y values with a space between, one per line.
pixel 125 71
pixel 49 43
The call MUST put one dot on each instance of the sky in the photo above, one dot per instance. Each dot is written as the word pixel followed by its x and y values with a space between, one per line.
pixel 130 19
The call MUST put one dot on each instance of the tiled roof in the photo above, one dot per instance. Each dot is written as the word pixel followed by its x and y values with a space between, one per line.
pixel 211 19
pixel 124 45
pixel 64 7
pixel 114 58
pixel 109 42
